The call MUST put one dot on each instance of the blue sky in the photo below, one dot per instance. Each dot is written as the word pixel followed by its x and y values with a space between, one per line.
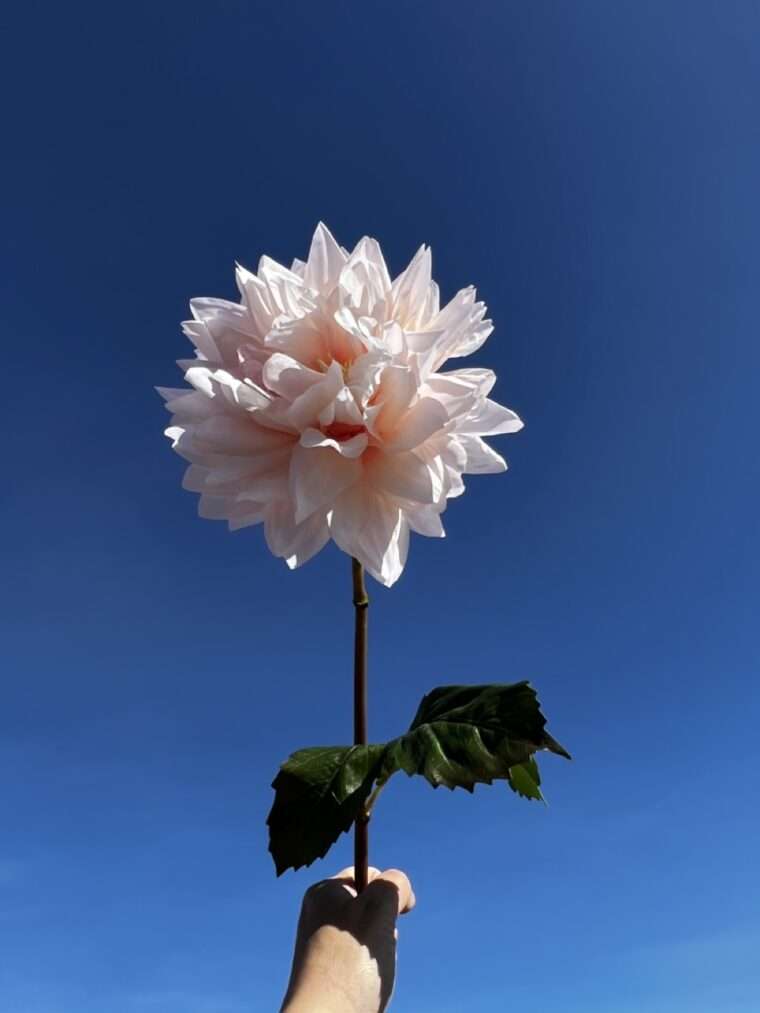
pixel 592 168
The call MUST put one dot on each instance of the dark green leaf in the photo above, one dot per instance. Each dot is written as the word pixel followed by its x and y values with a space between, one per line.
pixel 467 735
pixel 319 793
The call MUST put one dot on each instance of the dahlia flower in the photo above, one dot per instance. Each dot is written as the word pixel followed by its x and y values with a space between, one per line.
pixel 318 406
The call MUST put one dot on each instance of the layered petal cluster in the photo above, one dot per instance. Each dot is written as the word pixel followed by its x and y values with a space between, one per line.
pixel 318 406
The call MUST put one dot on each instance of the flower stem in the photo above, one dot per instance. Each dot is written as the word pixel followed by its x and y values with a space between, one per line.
pixel 361 607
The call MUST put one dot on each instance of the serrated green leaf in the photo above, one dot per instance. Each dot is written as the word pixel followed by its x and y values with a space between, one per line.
pixel 318 794
pixel 524 779
pixel 467 735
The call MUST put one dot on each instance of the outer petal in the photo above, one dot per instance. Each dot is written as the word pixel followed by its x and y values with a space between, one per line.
pixel 367 525
pixel 481 459
pixel 310 537
pixel 198 333
pixel 425 520
pixel 456 381
pixel 428 416
pixel 403 475
pixel 188 405
pixel 364 281
pixel 287 290
pixel 317 477
pixel 384 544
pixel 463 330
pixel 258 300
pixel 246 514
pixel 326 261
pixel 410 291
pixel 213 508
pixel 239 436
pixel 296 542
pixel 490 419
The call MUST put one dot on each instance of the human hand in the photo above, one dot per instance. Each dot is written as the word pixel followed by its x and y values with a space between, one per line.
pixel 345 952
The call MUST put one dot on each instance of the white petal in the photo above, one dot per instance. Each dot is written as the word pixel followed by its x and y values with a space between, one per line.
pixel 418 424
pixel 364 281
pixel 347 410
pixel 210 311
pixel 393 339
pixel 425 520
pixel 490 419
pixel 240 393
pixel 250 396
pixel 296 542
pixel 201 377
pixel 458 399
pixel 326 260
pixel 286 288
pixel 228 325
pixel 237 435
pixel 403 475
pixel 409 293
pixel 198 333
pixel 287 377
pixel 481 459
pixel 269 466
pixel 272 485
pixel 188 405
pixel 175 434
pixel 396 389
pixel 305 410
pixel 368 250
pixel 345 517
pixel 258 299
pixel 278 527
pixel 367 525
pixel 317 476
pixel 214 508
pixel 396 554
pixel 354 447
pixel 462 328
pixel 479 380
pixel 194 479
pixel 246 514
pixel 473 338
pixel 384 543
pixel 308 539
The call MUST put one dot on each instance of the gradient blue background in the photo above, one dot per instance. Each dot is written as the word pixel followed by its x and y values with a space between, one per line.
pixel 593 168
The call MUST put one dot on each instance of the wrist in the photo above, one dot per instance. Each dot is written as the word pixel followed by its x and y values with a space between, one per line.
pixel 317 999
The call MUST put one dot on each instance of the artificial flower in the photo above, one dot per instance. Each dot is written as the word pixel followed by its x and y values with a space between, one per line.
pixel 318 405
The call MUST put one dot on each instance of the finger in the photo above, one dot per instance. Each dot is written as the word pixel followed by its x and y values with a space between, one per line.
pixel 347 874
pixel 346 877
pixel 406 897
pixel 401 895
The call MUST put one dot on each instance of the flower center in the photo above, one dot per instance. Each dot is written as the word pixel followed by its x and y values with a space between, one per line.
pixel 342 431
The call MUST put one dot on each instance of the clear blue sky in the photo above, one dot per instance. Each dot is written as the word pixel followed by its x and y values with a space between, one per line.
pixel 593 168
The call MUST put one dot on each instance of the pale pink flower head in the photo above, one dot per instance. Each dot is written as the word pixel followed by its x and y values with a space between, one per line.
pixel 318 406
